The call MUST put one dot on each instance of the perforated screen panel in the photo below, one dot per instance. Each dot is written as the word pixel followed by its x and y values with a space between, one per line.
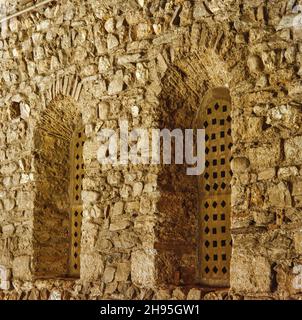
pixel 215 197
pixel 76 187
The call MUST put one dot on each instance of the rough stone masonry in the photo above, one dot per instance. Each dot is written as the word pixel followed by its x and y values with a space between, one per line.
pixel 149 62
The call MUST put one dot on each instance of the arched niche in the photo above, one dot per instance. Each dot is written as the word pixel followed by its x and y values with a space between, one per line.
pixel 59 170
pixel 214 190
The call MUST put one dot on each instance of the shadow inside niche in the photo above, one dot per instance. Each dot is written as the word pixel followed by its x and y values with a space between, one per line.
pixel 176 231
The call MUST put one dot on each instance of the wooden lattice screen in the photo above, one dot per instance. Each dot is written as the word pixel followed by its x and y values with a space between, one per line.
pixel 77 175
pixel 215 195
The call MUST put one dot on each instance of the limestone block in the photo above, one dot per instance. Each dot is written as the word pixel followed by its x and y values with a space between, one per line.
pixel 240 164
pixel 250 273
pixel 267 174
pixel 297 187
pixel 21 268
pixel 103 244
pixel 39 53
pixel 9 204
pixel 24 110
pixel 123 271
pixel 145 205
pixel 255 64
pixel 287 172
pixel 5 274
pixel 9 169
pixel 178 294
pixel 110 25
pixel 284 116
pixel 141 3
pixel 5 285
pixel 112 42
pixel 132 207
pixel 8 230
pixel 141 73
pixel 131 58
pixel 265 156
pixel 279 196
pixel 298 241
pixel 104 64
pixel 200 11
pixel 116 85
pixel 135 110
pixel 117 225
pixel 90 196
pixel 92 266
pixel 143 30
pixel 162 294
pixel 109 274
pixel 118 208
pixel 104 109
pixel 114 178
pixel 43 25
pixel 55 295
pixel 263 218
pixel 137 189
pixel 292 149
pixel 143 268
pixel 25 200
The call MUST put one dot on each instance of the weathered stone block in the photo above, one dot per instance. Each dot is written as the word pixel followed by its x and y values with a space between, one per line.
pixel 112 42
pixel 285 173
pixel 108 275
pixel 123 271
pixel 279 196
pixel 255 64
pixel 240 164
pixel 194 294
pixel 104 64
pixel 143 268
pixel 118 225
pixel 250 273
pixel 200 11
pixel 21 268
pixel 118 208
pixel 5 276
pixel 92 266
pixel 267 174
pixel 265 156
pixel 116 85
pixel 297 187
pixel 292 149
pixel 298 241
pixel 90 196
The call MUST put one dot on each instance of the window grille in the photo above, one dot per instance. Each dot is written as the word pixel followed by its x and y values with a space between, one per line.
pixel 76 187
pixel 215 195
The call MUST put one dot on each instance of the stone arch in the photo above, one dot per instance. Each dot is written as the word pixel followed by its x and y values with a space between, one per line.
pixel 214 60
pixel 53 138
pixel 65 85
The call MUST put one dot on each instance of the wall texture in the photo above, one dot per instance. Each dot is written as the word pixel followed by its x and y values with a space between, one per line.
pixel 151 63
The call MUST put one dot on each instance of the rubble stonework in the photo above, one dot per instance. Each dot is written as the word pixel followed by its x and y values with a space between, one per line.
pixel 149 62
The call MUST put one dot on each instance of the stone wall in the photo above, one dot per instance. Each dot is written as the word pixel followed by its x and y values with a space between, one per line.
pixel 151 62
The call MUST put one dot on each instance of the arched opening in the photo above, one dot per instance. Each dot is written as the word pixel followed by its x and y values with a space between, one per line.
pixel 214 185
pixel 185 94
pixel 59 170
